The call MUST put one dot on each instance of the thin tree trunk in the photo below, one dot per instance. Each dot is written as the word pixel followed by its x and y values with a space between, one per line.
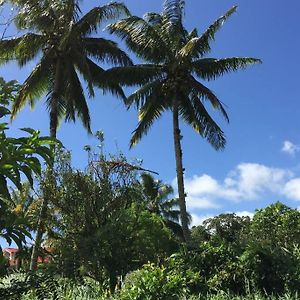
pixel 179 172
pixel 53 128
pixel 39 234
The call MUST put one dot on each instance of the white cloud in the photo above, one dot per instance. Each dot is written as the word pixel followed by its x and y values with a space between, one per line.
pixel 247 181
pixel 290 148
pixel 253 179
pixel 292 189
pixel 202 184
pixel 194 202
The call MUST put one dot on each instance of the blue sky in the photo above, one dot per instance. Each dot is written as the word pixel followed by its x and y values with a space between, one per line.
pixel 260 164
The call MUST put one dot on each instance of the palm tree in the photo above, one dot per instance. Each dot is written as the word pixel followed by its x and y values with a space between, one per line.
pixel 170 79
pixel 61 39
pixel 159 201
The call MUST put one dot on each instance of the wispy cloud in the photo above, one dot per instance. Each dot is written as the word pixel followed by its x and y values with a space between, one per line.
pixel 290 148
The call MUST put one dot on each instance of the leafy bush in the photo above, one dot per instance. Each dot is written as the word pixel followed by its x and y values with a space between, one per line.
pixel 153 282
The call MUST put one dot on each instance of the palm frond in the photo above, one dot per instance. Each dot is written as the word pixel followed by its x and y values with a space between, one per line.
pixel 198 46
pixel 153 18
pixel 205 93
pixel 35 86
pixel 75 99
pixel 90 22
pixel 30 17
pixel 150 187
pixel 29 47
pixel 142 38
pixel 71 10
pixel 194 113
pixel 192 34
pixel 22 49
pixel 8 49
pixel 165 191
pixel 174 10
pixel 211 68
pixel 105 83
pixel 136 75
pixel 148 113
pixel 170 203
pixel 171 215
pixel 56 106
pixel 139 97
pixel 106 50
pixel 80 60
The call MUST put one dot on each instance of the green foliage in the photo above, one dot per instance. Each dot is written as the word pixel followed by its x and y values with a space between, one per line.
pixel 209 268
pixel 100 223
pixel 271 258
pixel 237 254
pixel 276 226
pixel 19 157
pixel 227 227
pixel 9 89
pixel 38 285
pixel 153 282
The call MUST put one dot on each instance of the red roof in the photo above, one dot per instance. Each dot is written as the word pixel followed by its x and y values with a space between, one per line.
pixel 10 250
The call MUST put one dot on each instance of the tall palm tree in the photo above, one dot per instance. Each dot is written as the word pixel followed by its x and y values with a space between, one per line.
pixel 170 79
pixel 159 201
pixel 58 34
pixel 60 37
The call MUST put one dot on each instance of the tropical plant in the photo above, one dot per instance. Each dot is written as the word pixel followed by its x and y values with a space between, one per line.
pixel 176 58
pixel 159 201
pixel 58 34
pixel 154 282
pixel 18 157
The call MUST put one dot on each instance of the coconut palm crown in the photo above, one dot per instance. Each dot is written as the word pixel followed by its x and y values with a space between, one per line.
pixel 60 37
pixel 171 77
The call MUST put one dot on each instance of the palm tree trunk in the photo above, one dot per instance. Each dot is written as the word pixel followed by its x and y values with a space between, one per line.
pixel 179 172
pixel 53 128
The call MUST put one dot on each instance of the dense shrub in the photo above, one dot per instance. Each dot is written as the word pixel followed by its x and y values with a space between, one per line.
pixel 153 283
